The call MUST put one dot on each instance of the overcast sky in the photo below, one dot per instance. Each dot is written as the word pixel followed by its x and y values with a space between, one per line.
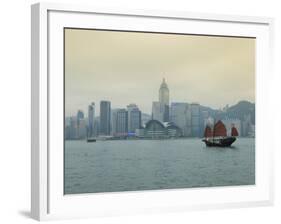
pixel 128 67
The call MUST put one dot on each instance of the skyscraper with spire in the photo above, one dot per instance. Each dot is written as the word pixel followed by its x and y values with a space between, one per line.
pixel 164 93
pixel 160 109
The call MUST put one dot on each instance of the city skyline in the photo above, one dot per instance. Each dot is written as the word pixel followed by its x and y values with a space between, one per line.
pixel 168 119
pixel 194 66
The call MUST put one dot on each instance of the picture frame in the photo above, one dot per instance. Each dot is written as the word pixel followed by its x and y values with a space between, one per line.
pixel 47 197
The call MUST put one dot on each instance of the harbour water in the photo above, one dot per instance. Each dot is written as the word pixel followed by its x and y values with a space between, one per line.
pixel 133 165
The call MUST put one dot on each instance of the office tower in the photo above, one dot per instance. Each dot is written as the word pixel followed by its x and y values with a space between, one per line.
pixel 67 128
pixel 82 129
pixel 105 112
pixel 80 115
pixel 91 117
pixel 114 121
pixel 96 126
pixel 164 93
pixel 122 122
pixel 79 118
pixel 73 128
pixel 180 116
pixel 246 125
pixel 156 111
pixel 204 115
pixel 160 109
pixel 134 118
pixel 164 100
pixel 195 119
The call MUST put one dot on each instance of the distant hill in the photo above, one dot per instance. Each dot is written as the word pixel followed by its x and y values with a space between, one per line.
pixel 212 112
pixel 239 110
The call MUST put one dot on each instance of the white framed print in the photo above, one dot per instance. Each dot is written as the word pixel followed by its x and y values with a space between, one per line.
pixel 138 111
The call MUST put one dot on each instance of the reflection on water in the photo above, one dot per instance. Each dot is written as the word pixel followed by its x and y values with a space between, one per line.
pixel 130 165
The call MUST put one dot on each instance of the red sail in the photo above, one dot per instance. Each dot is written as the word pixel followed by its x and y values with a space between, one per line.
pixel 234 132
pixel 219 129
pixel 208 132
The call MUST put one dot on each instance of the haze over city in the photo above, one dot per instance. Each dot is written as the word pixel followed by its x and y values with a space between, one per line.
pixel 127 67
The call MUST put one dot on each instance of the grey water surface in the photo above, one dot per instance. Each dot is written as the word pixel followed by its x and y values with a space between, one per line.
pixel 132 165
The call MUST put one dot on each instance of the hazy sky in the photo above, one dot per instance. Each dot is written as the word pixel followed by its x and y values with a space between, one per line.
pixel 128 67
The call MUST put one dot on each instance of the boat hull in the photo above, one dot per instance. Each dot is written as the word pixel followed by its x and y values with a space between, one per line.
pixel 222 142
pixel 91 140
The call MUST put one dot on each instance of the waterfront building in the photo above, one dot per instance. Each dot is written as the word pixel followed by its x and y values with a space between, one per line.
pixel 121 123
pixel 155 129
pixel 140 133
pixel 145 118
pixel 204 115
pixel 173 130
pixel 82 129
pixel 180 115
pixel 134 118
pixel 73 128
pixel 247 125
pixel 164 97
pixel 91 117
pixel 67 128
pixel 166 112
pixel 79 119
pixel 96 126
pixel 160 109
pixel 195 119
pixel 105 114
pixel 114 121
pixel 156 111
pixel 252 131
pixel 80 115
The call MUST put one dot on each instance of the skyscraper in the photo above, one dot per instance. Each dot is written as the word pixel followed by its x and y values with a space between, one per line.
pixel 121 122
pixel 82 129
pixel 80 115
pixel 134 118
pixel 105 114
pixel 164 100
pixel 195 119
pixel 156 111
pixel 180 115
pixel 160 109
pixel 91 117
pixel 164 93
pixel 114 121
pixel 80 122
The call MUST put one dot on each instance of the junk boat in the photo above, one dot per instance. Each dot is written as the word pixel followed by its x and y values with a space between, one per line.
pixel 218 136
pixel 91 140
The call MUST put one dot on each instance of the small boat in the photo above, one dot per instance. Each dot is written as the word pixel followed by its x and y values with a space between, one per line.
pixel 91 140
pixel 218 136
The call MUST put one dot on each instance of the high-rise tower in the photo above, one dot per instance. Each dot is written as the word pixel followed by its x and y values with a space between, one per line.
pixel 105 114
pixel 134 118
pixel 164 93
pixel 160 110
pixel 91 117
